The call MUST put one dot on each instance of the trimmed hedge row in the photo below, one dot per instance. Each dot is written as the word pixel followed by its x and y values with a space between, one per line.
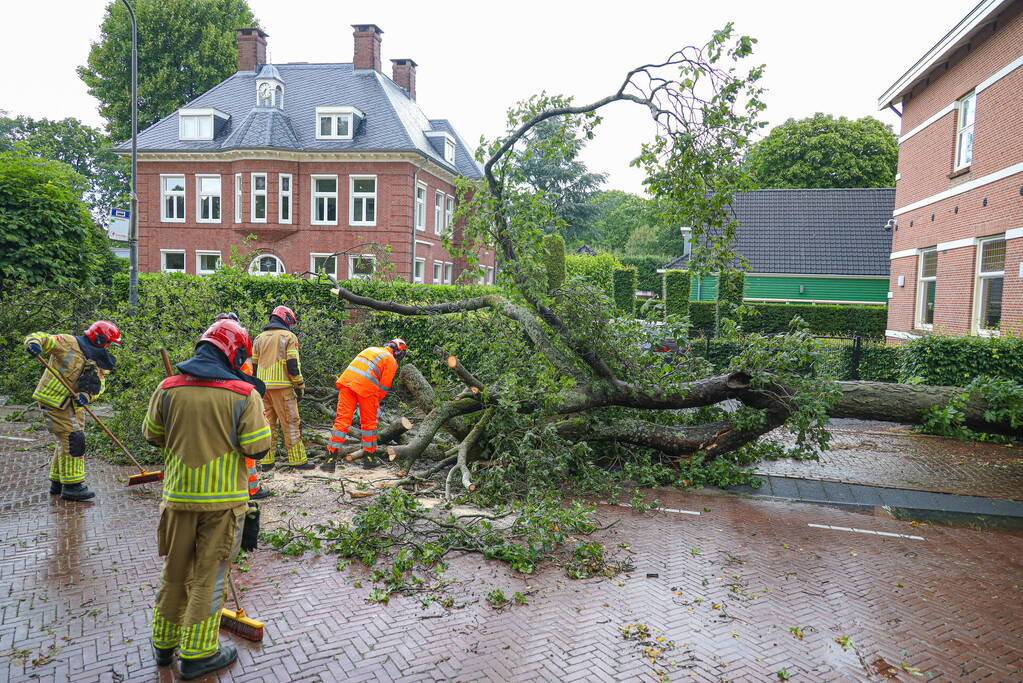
pixel 554 260
pixel 597 271
pixel 676 288
pixel 838 320
pixel 625 290
pixel 647 277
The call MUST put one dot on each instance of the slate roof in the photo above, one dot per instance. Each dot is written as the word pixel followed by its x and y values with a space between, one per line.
pixel 393 123
pixel 813 232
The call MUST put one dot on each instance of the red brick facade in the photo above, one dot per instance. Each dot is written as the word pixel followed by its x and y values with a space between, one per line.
pixel 294 243
pixel 929 210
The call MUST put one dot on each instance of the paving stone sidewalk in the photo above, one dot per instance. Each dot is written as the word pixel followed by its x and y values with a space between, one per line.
pixel 893 456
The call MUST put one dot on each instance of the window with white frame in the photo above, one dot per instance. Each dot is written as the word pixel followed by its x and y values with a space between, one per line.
pixel 284 198
pixel 323 263
pixel 448 270
pixel 449 150
pixel 266 264
pixel 206 262
pixel 420 215
pixel 927 281
pixel 335 123
pixel 172 193
pixel 172 260
pixel 195 127
pixel 361 266
pixel 490 275
pixel 324 200
pixel 438 268
pixel 967 112
pixel 990 275
pixel 258 198
pixel 208 196
pixel 237 197
pixel 362 208
pixel 438 213
pixel 449 212
pixel 420 271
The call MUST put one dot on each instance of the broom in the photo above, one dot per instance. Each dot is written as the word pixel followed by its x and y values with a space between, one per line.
pixel 144 476
pixel 235 620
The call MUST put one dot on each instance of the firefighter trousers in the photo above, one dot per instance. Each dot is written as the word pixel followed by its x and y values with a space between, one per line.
pixel 280 406
pixel 68 429
pixel 199 548
pixel 347 400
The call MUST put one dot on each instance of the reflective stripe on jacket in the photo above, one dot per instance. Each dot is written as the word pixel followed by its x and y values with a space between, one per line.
pixel 271 352
pixel 65 357
pixel 371 371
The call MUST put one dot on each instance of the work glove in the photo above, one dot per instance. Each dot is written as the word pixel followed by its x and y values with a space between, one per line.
pixel 299 391
pixel 250 532
pixel 34 349
pixel 82 399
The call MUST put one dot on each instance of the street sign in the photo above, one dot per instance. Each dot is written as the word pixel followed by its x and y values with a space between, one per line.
pixel 117 229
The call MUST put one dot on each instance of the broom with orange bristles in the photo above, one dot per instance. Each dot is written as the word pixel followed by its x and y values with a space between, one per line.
pixel 144 476
pixel 234 620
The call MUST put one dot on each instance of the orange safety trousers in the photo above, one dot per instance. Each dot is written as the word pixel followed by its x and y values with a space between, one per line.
pixel 368 405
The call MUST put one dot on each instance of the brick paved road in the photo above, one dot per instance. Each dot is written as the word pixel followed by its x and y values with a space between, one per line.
pixel 885 454
pixel 76 582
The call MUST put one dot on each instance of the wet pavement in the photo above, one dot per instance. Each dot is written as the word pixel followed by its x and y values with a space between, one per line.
pixel 738 589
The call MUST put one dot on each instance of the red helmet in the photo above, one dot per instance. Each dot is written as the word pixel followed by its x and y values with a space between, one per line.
pixel 397 347
pixel 103 333
pixel 232 339
pixel 285 314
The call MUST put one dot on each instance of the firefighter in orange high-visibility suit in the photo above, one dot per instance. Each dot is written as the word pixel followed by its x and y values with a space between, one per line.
pixel 364 383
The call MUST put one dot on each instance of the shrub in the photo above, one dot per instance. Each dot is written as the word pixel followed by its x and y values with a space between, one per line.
pixel 955 361
pixel 597 271
pixel 839 320
pixel 647 277
pixel 554 260
pixel 676 290
pixel 625 290
pixel 731 283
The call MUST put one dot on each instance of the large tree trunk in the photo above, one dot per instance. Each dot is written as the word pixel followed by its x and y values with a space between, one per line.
pixel 907 403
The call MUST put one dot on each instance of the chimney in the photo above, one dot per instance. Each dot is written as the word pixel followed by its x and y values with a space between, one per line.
pixel 367 47
pixel 251 48
pixel 404 71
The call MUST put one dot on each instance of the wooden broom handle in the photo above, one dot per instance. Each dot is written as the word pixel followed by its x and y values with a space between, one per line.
pixel 167 369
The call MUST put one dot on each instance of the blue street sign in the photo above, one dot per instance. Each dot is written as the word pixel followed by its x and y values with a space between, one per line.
pixel 120 213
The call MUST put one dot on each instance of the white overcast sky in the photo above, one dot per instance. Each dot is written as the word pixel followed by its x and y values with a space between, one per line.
pixel 478 58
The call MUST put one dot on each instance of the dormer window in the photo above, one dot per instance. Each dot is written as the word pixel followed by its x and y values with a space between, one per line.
pixel 199 124
pixel 336 123
pixel 449 150
pixel 443 143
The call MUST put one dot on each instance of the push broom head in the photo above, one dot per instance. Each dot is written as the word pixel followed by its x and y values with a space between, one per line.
pixel 144 478
pixel 241 625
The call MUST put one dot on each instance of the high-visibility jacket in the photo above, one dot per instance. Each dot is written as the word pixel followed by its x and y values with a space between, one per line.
pixel 371 372
pixel 271 352
pixel 205 428
pixel 66 357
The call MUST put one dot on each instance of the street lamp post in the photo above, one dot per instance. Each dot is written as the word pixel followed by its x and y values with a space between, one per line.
pixel 133 218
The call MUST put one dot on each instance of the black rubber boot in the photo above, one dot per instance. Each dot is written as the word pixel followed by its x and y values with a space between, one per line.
pixel 194 668
pixel 368 463
pixel 77 492
pixel 260 494
pixel 266 467
pixel 55 487
pixel 164 655
pixel 304 466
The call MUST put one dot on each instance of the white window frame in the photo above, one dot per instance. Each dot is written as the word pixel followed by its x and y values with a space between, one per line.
pixel 978 309
pixel 449 150
pixel 918 315
pixel 199 119
pixel 963 130
pixel 323 195
pixel 438 212
pixel 419 265
pixel 438 272
pixel 449 273
pixel 336 113
pixel 283 194
pixel 449 212
pixel 199 197
pixel 351 266
pixel 253 193
pixel 164 194
pixel 198 261
pixel 163 261
pixel 490 275
pixel 256 260
pixel 312 262
pixel 237 197
pixel 354 196
pixel 420 208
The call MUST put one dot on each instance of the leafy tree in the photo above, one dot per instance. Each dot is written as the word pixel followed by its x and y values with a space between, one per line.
pixel 822 152
pixel 85 149
pixel 185 47
pixel 46 234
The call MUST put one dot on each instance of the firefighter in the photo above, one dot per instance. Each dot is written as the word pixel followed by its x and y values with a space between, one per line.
pixel 275 360
pixel 205 420
pixel 365 383
pixel 83 361
pixel 256 490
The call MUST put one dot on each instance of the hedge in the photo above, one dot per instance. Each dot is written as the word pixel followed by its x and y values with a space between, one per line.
pixel 731 283
pixel 597 271
pixel 625 290
pixel 839 320
pixel 647 277
pixel 554 260
pixel 675 290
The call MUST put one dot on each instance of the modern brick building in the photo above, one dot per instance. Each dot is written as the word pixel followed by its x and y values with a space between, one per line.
pixel 311 159
pixel 958 220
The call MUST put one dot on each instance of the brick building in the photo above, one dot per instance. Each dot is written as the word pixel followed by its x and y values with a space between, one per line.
pixel 958 220
pixel 311 159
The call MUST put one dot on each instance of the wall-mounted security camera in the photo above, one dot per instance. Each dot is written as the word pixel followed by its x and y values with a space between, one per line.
pixel 891 225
